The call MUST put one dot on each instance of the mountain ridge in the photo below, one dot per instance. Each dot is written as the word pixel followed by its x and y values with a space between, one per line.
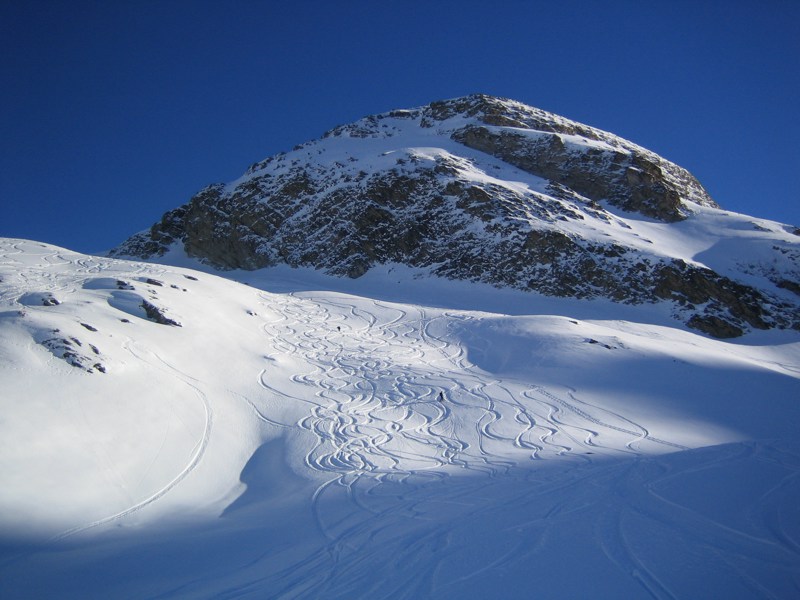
pixel 488 189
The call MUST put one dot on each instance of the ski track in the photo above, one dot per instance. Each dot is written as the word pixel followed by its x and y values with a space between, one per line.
pixel 198 451
pixel 391 397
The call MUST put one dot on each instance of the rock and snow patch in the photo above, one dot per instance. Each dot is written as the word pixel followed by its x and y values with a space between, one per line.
pixel 489 190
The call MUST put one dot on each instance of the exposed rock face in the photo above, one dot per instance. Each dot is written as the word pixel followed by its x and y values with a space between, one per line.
pixel 476 188
pixel 631 182
pixel 562 151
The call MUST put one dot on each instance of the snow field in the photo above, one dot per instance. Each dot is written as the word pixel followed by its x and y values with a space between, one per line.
pixel 291 441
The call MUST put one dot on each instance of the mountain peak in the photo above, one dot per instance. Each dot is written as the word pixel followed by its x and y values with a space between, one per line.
pixel 489 189
pixel 597 164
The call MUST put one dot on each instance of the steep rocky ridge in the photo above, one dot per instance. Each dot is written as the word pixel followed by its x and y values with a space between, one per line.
pixel 491 190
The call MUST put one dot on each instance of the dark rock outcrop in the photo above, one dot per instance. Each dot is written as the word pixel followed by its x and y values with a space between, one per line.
pixel 157 315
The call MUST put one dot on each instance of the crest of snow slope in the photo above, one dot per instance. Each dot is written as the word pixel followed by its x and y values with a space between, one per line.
pixel 490 190
pixel 389 437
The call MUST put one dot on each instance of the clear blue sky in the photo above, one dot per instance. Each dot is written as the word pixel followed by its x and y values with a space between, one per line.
pixel 114 112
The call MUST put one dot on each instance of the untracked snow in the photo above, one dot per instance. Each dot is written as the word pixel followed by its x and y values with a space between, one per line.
pixel 165 432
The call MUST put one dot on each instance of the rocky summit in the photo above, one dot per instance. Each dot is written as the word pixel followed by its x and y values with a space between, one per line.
pixel 491 190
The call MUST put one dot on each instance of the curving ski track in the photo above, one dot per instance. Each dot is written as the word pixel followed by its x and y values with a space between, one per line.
pixel 394 406
pixel 200 448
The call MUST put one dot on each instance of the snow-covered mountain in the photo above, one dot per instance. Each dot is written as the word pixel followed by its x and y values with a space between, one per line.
pixel 490 190
pixel 497 401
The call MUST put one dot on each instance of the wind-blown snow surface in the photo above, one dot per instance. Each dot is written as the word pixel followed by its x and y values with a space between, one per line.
pixel 309 437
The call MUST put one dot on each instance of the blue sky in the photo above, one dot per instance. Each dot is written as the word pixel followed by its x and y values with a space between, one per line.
pixel 114 112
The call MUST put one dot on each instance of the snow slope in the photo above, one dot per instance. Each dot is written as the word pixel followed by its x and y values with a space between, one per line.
pixel 294 435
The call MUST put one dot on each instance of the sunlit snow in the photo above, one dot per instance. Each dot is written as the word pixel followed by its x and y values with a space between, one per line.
pixel 293 435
